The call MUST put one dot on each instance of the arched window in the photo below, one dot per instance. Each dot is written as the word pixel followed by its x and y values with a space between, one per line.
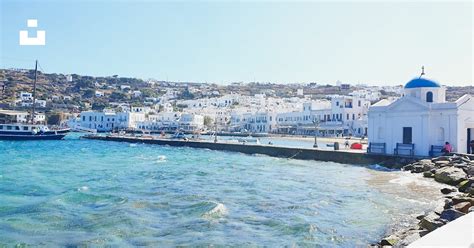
pixel 429 96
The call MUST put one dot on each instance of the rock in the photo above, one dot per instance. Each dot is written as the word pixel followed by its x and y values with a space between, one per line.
pixel 466 159
pixel 425 161
pixel 447 204
pixel 418 168
pixel 462 207
pixel 420 217
pixel 461 165
pixel 390 240
pixel 450 214
pixel 440 158
pixel 408 167
pixel 460 198
pixel 410 237
pixel 450 175
pixel 471 191
pixel 469 170
pixel 471 210
pixel 464 185
pixel 441 163
pixel 431 222
pixel 447 190
pixel 428 174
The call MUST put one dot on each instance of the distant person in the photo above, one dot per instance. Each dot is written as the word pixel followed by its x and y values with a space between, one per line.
pixel 346 144
pixel 447 148
pixel 472 146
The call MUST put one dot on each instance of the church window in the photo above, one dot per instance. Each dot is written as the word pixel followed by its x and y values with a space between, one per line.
pixel 429 96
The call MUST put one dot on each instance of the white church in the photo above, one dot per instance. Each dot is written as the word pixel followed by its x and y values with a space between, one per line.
pixel 421 121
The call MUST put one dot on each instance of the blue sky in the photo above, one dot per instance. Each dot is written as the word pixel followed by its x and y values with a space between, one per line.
pixel 221 42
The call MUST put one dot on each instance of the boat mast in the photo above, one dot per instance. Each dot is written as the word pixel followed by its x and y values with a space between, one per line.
pixel 34 95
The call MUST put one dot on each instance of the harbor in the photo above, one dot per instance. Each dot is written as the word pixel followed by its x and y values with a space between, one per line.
pixel 88 192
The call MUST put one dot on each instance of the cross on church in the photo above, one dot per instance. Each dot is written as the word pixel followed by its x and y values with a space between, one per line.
pixel 422 71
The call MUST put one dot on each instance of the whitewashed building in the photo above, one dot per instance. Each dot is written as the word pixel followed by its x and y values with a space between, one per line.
pixel 422 118
pixel 107 121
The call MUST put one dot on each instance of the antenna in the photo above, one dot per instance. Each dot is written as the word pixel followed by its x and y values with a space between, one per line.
pixel 422 71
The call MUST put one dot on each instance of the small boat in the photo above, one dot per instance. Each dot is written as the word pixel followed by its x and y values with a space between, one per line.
pixel 20 131
pixel 14 128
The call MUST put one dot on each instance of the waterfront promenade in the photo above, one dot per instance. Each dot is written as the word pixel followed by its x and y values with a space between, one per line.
pixel 340 156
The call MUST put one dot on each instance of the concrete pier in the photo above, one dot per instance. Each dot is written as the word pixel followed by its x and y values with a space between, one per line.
pixel 346 157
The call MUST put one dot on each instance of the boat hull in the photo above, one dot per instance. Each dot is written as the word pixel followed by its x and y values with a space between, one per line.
pixel 49 135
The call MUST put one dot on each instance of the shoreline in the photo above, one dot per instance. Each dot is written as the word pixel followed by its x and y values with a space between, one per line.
pixel 456 172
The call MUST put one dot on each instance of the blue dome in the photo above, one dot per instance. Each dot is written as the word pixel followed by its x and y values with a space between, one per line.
pixel 421 82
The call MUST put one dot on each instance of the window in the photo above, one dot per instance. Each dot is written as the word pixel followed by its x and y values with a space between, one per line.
pixel 429 96
pixel 407 135
pixel 83 118
pixel 17 128
pixel 337 103
pixel 9 127
pixel 1 127
pixel 359 103
pixel 25 128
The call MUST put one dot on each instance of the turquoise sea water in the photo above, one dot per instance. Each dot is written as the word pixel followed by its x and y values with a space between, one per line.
pixel 96 193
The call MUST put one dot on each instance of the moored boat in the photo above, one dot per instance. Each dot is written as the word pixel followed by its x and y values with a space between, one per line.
pixel 16 125
pixel 20 131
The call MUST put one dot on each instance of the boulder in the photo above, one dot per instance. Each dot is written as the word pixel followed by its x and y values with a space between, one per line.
pixel 390 240
pixel 431 221
pixel 469 170
pixel 418 168
pixel 408 167
pixel 450 215
pixel 428 174
pixel 411 236
pixel 440 158
pixel 460 198
pixel 441 163
pixel 450 175
pixel 464 185
pixel 471 210
pixel 447 190
pixel 462 207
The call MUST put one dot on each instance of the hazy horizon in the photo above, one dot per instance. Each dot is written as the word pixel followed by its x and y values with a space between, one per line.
pixel 278 42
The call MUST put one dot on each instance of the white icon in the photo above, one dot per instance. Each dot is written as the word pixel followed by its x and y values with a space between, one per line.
pixel 39 40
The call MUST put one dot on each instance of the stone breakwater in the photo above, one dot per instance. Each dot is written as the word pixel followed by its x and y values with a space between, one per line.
pixel 457 172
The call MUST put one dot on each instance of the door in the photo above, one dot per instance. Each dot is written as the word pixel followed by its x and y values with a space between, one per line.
pixel 407 135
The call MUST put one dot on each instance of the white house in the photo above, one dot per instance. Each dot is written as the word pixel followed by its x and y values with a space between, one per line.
pixel 422 118
pixel 107 121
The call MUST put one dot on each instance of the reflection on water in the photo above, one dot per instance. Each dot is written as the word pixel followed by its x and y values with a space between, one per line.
pixel 95 193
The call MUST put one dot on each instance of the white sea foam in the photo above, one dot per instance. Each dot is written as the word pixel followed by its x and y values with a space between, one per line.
pixel 219 210
pixel 132 145
pixel 406 178
pixel 161 159
pixel 83 188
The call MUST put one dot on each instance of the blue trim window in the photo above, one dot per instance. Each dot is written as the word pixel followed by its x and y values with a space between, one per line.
pixel 429 96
